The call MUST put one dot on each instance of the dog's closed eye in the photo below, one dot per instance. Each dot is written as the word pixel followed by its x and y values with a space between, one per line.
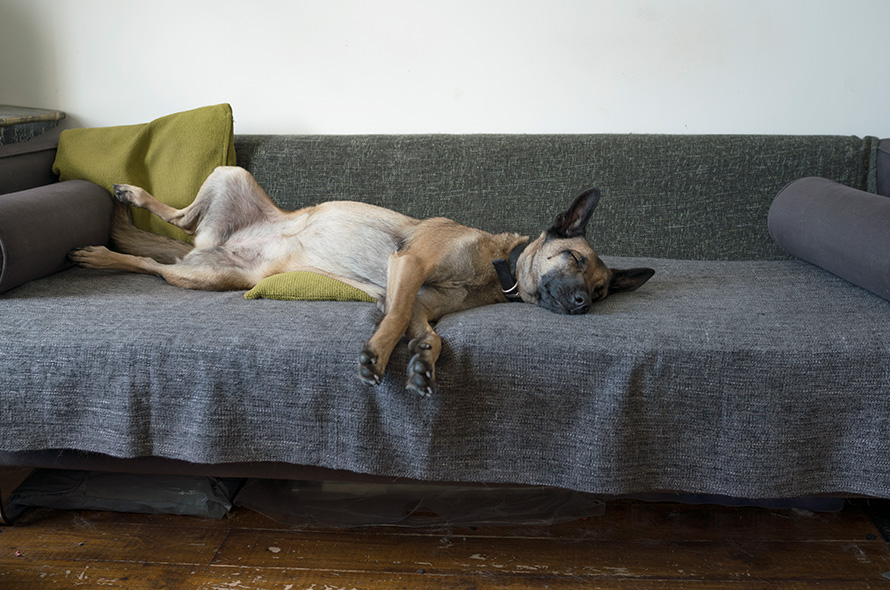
pixel 578 258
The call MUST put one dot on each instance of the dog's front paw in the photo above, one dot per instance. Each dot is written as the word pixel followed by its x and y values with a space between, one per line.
pixel 369 369
pixel 421 368
pixel 421 375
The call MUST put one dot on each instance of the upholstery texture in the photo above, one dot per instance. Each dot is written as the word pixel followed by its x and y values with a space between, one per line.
pixel 671 196
pixel 719 377
pixel 883 168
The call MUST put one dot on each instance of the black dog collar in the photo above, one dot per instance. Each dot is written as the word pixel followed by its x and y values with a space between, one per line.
pixel 506 270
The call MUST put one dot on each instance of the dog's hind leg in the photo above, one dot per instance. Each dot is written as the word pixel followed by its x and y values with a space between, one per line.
pixel 141 198
pixel 127 238
pixel 229 199
pixel 205 277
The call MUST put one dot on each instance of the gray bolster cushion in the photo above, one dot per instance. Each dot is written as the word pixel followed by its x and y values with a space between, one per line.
pixel 841 229
pixel 39 226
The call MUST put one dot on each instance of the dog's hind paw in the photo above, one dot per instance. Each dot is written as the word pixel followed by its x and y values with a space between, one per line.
pixel 122 192
pixel 129 194
pixel 91 257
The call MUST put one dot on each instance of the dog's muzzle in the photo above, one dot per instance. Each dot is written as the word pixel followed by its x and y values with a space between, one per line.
pixel 564 295
pixel 576 304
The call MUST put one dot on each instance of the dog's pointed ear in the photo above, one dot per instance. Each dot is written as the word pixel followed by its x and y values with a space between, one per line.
pixel 629 279
pixel 573 222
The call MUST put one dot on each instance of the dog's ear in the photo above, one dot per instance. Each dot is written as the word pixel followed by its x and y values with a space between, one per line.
pixel 629 279
pixel 573 222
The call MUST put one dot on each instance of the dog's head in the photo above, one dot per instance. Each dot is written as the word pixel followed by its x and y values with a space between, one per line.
pixel 560 271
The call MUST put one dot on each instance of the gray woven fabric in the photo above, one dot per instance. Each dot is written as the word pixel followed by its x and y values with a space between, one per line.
pixel 671 196
pixel 752 379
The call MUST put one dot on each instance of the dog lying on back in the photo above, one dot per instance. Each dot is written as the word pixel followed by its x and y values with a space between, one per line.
pixel 419 270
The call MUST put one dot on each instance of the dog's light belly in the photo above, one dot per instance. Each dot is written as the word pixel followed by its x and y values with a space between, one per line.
pixel 353 243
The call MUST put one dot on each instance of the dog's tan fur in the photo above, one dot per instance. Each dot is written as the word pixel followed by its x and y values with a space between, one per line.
pixel 419 270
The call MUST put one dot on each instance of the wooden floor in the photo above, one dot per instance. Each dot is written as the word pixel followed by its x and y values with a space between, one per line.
pixel 633 545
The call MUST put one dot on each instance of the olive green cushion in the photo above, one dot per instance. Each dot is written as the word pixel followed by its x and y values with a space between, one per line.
pixel 306 286
pixel 169 157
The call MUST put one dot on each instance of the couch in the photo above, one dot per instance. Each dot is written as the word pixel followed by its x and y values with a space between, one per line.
pixel 738 370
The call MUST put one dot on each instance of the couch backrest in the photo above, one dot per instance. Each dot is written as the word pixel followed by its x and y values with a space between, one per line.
pixel 673 196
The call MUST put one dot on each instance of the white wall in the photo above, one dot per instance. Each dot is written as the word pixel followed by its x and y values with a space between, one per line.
pixel 454 66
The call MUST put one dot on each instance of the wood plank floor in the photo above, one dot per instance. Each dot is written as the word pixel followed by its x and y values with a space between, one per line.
pixel 633 545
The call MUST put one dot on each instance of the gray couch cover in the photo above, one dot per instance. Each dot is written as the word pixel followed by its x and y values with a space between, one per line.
pixel 737 370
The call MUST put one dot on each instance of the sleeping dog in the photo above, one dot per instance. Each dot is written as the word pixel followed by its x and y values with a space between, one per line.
pixel 419 270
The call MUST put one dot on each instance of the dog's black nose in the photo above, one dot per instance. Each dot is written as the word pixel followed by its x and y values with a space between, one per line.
pixel 582 303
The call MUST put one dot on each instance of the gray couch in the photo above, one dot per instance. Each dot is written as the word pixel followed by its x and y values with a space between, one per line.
pixel 736 370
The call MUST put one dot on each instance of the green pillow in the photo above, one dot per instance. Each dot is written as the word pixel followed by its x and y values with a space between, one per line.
pixel 304 285
pixel 170 157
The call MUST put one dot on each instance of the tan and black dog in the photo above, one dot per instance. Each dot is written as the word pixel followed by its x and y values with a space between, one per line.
pixel 419 270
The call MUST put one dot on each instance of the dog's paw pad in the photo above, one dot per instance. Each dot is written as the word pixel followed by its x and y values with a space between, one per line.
pixel 367 368
pixel 417 345
pixel 129 194
pixel 420 376
pixel 122 192
pixel 89 256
